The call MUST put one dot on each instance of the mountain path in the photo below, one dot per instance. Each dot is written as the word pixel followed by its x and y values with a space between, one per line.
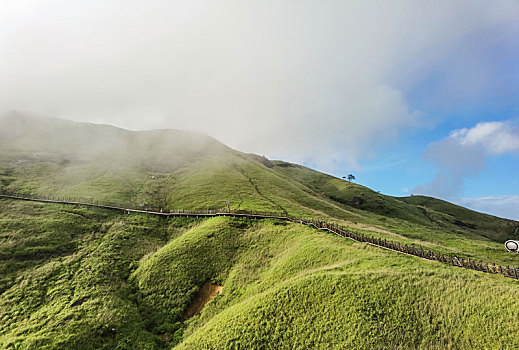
pixel 316 223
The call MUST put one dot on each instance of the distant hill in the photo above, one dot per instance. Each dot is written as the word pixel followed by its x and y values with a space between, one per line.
pixel 84 278
pixel 28 139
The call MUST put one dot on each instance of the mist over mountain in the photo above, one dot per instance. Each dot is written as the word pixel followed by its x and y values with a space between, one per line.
pixel 171 167
pixel 40 138
pixel 187 175
pixel 81 277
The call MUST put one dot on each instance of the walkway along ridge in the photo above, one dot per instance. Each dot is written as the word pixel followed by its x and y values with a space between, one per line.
pixel 418 251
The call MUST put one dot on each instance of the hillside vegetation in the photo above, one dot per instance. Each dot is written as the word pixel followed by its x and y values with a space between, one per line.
pixel 173 169
pixel 85 278
pixel 125 282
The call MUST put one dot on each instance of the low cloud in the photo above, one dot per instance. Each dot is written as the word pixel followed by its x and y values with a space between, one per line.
pixel 463 154
pixel 307 81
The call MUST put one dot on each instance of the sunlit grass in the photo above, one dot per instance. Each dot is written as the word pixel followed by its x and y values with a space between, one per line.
pixel 86 278
pixel 97 279
pixel 245 183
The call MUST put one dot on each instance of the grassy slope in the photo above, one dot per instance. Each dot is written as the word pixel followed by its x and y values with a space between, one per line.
pixel 176 169
pixel 64 275
pixel 83 278
pixel 123 282
pixel 436 224
pixel 248 184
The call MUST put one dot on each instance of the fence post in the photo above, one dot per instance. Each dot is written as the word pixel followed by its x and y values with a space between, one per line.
pixel 332 227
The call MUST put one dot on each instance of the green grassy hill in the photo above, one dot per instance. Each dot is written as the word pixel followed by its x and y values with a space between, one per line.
pixel 173 169
pixel 93 279
pixel 83 278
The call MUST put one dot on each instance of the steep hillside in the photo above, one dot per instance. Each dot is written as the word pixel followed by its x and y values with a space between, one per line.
pixel 172 169
pixel 84 278
pixel 93 279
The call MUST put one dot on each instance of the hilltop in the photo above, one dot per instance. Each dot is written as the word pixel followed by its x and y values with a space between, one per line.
pixel 91 278
pixel 174 169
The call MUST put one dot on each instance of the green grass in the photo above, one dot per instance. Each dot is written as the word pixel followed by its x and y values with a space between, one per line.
pixel 298 288
pixel 78 296
pixel 85 278
pixel 125 281
pixel 342 310
pixel 169 279
pixel 248 184
pixel 195 178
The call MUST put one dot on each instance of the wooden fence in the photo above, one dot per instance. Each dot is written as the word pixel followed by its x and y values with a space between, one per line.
pixel 418 251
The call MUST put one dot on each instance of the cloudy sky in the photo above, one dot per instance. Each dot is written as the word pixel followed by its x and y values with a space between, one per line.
pixel 410 96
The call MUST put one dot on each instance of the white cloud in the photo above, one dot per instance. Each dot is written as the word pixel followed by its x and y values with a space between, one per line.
pixel 462 154
pixel 494 137
pixel 303 80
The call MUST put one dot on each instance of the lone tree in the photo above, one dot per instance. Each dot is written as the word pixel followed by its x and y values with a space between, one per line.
pixel 351 177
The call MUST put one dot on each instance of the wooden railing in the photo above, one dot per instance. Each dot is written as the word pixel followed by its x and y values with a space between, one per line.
pixel 334 228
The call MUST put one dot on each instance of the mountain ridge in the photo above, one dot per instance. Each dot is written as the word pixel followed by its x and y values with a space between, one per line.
pixel 73 277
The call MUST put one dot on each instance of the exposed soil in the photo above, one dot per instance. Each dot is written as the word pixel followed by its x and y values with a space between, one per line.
pixel 205 294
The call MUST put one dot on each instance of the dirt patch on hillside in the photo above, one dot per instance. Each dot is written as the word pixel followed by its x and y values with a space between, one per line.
pixel 205 294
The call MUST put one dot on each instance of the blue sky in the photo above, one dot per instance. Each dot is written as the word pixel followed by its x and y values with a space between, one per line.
pixel 410 96
pixel 493 58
